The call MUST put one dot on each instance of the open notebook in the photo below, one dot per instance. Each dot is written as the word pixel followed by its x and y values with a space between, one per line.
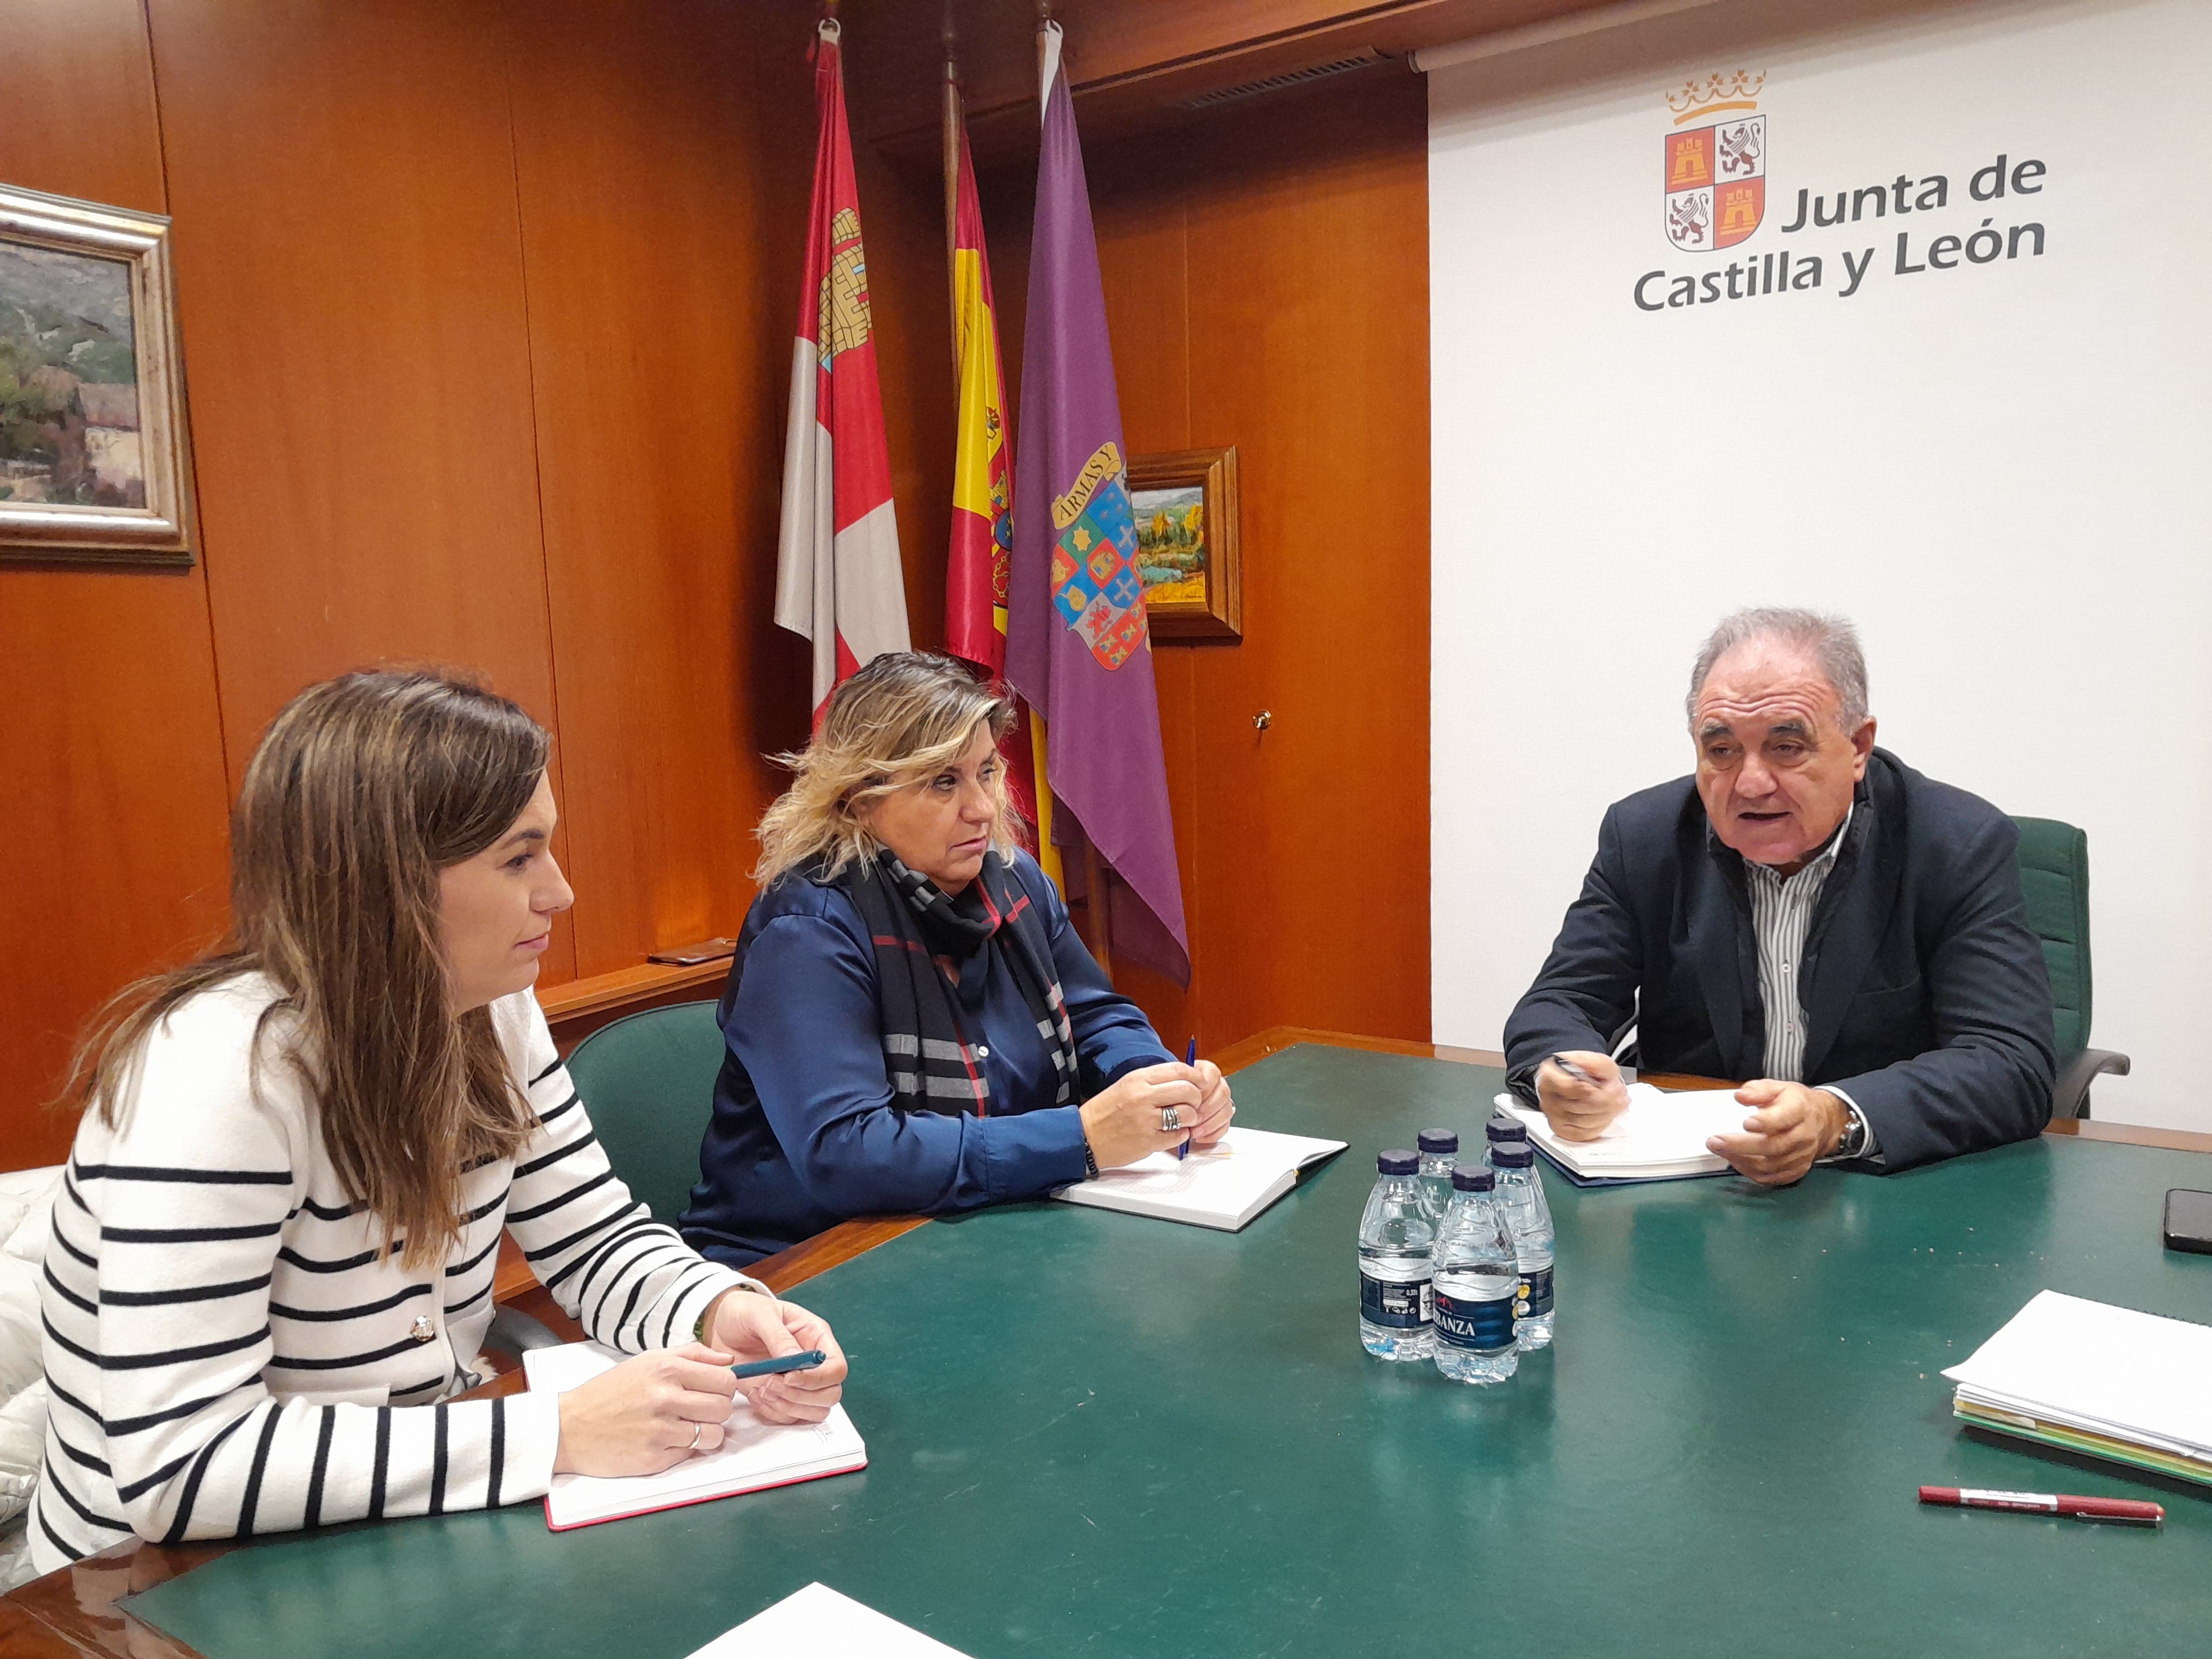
pixel 820 1624
pixel 2091 1378
pixel 1224 1188
pixel 753 1454
pixel 1661 1137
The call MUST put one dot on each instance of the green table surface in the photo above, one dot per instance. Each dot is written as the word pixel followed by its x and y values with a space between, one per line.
pixel 1095 1434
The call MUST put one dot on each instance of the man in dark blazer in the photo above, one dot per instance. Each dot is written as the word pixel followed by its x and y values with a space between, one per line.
pixel 1807 911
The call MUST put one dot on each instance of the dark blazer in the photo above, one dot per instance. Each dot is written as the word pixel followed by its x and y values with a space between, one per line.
pixel 1926 998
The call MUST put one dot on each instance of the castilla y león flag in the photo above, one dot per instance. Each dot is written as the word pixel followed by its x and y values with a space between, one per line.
pixel 1077 647
pixel 982 493
pixel 837 580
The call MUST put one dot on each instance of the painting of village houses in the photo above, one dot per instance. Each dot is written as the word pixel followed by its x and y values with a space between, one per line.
pixel 69 381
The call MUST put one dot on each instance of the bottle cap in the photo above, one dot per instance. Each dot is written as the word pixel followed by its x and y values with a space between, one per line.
pixel 1398 1163
pixel 1480 1179
pixel 1502 1127
pixel 1440 1140
pixel 1512 1155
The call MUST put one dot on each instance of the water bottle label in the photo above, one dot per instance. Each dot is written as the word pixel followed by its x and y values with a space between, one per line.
pixel 1535 1295
pixel 1467 1323
pixel 1408 1305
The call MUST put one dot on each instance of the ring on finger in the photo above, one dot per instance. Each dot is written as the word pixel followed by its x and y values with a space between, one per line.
pixel 1170 1120
pixel 695 1427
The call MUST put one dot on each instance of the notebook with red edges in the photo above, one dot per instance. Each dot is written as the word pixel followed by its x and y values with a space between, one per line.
pixel 753 1457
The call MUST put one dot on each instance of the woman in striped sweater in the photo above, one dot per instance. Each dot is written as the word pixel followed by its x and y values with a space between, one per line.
pixel 273 1250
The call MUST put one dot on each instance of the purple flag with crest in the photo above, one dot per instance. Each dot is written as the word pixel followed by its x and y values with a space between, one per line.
pixel 1077 645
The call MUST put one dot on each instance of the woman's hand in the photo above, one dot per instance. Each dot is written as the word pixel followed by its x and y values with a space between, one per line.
pixel 1122 1123
pixel 1215 1108
pixel 647 1414
pixel 751 1326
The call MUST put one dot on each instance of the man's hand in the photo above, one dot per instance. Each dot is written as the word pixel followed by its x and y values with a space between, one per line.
pixel 1794 1127
pixel 747 1325
pixel 1579 1110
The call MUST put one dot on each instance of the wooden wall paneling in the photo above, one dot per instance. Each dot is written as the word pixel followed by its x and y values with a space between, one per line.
pixel 662 157
pixel 112 747
pixel 1309 326
pixel 350 269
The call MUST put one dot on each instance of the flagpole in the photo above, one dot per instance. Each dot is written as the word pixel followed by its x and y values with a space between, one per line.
pixel 953 183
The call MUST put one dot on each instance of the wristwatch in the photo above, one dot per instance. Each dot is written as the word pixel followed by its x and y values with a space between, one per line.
pixel 1089 1161
pixel 1853 1144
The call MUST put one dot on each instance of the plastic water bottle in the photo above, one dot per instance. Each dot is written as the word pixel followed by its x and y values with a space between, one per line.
pixel 1478 1284
pixel 1501 1128
pixel 1521 1195
pixel 1397 1242
pixel 1439 1152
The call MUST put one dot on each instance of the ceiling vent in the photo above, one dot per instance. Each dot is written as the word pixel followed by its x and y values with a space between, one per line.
pixel 1359 60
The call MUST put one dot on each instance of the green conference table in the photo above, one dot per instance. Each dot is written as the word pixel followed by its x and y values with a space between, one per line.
pixel 1095 1434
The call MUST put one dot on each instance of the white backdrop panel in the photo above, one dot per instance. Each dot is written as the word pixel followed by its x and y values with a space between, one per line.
pixel 2000 471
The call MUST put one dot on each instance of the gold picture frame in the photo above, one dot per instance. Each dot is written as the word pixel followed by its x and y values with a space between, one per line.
pixel 1185 508
pixel 95 464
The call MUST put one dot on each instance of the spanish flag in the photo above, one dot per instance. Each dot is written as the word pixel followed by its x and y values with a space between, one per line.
pixel 982 476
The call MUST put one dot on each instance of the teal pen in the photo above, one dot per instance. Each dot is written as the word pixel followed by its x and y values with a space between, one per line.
pixel 790 1362
pixel 1189 1058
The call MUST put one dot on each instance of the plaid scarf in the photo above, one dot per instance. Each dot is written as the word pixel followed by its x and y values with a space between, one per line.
pixel 915 927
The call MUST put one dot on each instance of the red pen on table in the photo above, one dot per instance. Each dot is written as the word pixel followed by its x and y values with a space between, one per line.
pixel 2045 1503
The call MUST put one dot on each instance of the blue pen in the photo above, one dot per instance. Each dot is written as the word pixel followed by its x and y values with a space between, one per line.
pixel 790 1362
pixel 1189 1058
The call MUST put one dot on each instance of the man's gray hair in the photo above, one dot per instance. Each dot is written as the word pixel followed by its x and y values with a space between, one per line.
pixel 1829 640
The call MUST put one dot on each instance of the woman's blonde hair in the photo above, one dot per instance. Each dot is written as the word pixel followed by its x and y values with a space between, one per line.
pixel 363 790
pixel 900 721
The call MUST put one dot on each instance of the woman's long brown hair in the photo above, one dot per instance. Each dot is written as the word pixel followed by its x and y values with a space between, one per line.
pixel 363 790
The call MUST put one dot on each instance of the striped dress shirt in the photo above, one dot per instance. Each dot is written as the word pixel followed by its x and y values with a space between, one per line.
pixel 1782 909
pixel 230 1351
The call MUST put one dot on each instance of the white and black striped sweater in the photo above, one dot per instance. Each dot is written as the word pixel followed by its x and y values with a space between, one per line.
pixel 229 1355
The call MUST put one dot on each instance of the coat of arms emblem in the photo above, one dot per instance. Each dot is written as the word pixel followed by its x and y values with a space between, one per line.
pixel 1716 178
pixel 1095 585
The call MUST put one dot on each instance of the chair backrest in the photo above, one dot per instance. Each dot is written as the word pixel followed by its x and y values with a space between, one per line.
pixel 2054 871
pixel 648 1082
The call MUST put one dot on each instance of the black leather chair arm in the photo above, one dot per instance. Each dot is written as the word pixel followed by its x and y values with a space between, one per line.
pixel 514 1332
pixel 2069 1097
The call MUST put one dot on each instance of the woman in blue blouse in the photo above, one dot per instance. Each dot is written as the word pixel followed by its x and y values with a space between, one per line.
pixel 911 1024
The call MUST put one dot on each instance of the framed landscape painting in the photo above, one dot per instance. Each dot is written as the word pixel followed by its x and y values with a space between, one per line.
pixel 1185 508
pixel 92 457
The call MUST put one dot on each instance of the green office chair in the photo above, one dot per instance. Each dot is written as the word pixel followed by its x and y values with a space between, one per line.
pixel 2054 872
pixel 648 1082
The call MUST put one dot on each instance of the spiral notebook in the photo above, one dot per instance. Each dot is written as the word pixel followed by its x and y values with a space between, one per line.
pixel 753 1456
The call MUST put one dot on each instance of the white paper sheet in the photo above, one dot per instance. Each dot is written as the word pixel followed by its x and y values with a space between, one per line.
pixel 817 1623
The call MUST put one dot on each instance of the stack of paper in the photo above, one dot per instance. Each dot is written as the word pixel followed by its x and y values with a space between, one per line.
pixel 1661 1137
pixel 2106 1381
pixel 1223 1187
pixel 753 1454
